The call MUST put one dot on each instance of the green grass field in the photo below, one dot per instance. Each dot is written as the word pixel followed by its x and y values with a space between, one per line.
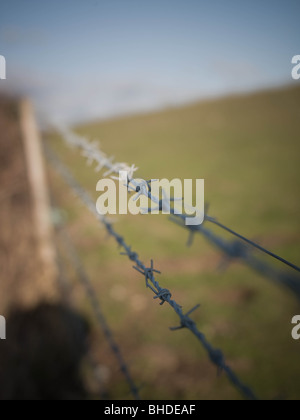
pixel 247 148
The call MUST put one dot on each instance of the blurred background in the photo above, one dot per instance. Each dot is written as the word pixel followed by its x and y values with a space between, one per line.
pixel 182 89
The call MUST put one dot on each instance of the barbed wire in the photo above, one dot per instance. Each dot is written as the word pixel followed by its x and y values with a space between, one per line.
pixel 237 250
pixel 95 304
pixel 64 283
pixel 252 243
pixel 93 154
pixel 164 295
pixel 233 250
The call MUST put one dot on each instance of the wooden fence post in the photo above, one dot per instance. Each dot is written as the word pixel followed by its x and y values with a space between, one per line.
pixel 40 196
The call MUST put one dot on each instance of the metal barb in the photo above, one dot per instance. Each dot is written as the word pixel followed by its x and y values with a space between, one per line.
pixel 186 321
pixel 164 295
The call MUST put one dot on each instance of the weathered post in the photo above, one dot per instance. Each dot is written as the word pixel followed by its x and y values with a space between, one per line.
pixel 40 198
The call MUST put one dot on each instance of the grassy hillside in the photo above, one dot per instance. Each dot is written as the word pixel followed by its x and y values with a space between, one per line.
pixel 247 149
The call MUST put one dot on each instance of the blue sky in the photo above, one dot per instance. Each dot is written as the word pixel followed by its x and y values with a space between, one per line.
pixel 83 59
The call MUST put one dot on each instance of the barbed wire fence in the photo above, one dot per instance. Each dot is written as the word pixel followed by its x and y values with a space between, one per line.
pixel 215 355
pixel 236 249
